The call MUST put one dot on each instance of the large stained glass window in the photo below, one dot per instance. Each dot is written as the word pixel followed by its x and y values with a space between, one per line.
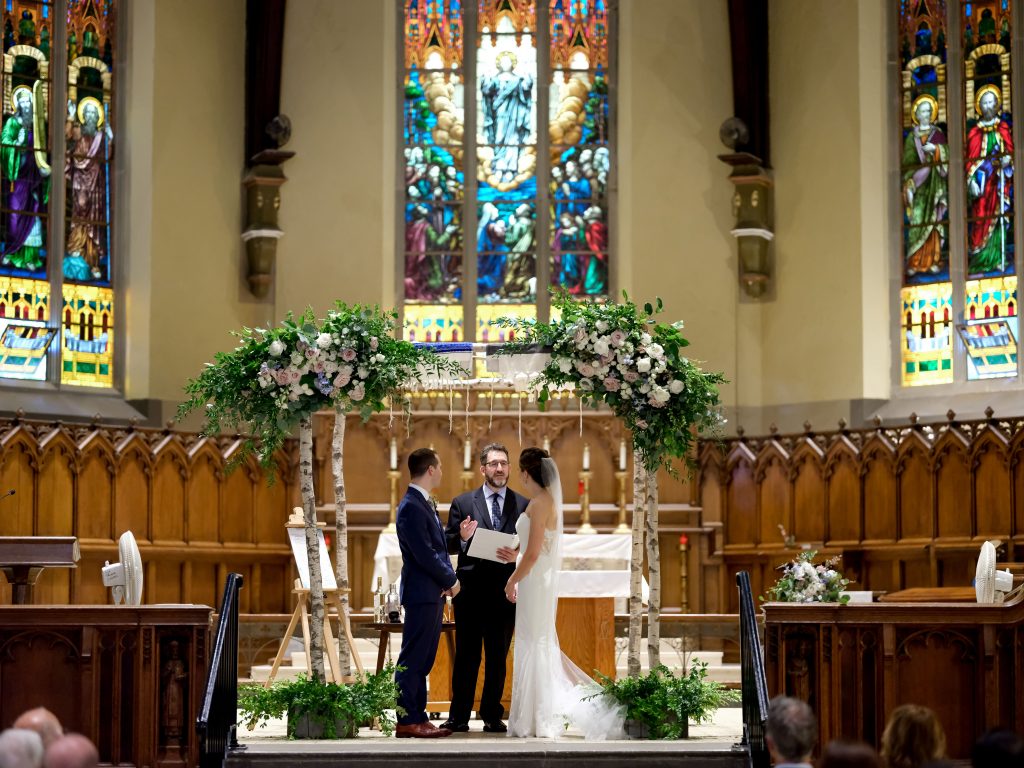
pixel 56 237
pixel 506 160
pixel 958 301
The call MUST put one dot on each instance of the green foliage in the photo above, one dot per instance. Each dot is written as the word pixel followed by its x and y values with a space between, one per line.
pixel 804 582
pixel 371 697
pixel 621 356
pixel 277 377
pixel 664 702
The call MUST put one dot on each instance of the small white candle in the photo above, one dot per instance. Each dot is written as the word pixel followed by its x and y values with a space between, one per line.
pixel 586 457
pixel 394 453
pixel 547 445
pixel 467 455
pixel 622 455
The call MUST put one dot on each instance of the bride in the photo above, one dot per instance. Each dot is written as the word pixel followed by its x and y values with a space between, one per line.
pixel 550 694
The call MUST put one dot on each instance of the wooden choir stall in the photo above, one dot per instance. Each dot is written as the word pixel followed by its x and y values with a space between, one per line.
pixel 855 663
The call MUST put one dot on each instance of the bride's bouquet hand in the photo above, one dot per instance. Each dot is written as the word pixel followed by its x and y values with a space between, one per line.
pixel 511 591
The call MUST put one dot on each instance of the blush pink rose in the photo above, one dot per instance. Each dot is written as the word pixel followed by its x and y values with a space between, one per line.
pixel 612 384
pixel 348 355
pixel 631 376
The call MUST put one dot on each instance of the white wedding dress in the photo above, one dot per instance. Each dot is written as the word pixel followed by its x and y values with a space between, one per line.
pixel 550 694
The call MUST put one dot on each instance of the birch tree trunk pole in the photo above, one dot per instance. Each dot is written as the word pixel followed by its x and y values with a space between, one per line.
pixel 653 572
pixel 316 584
pixel 341 536
pixel 636 566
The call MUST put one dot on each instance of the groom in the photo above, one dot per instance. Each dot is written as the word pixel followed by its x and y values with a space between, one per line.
pixel 482 614
pixel 427 577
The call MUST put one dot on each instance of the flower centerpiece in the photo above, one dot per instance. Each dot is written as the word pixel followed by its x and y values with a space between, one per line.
pixel 804 582
pixel 621 356
pixel 277 378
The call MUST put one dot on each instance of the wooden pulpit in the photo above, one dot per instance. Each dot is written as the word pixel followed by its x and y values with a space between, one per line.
pixel 22 559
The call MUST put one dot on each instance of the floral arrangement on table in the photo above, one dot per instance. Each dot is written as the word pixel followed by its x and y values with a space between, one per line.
pixel 804 582
pixel 276 377
pixel 614 353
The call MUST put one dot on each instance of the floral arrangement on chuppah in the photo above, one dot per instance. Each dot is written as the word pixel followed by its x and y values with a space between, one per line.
pixel 620 355
pixel 277 378
pixel 804 582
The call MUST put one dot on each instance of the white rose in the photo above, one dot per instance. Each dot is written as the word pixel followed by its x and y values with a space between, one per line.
pixel 643 364
pixel 362 372
pixel 565 364
pixel 601 347
pixel 645 388
pixel 625 390
pixel 323 340
pixel 602 326
pixel 276 348
pixel 297 358
pixel 660 394
pixel 676 386
pixel 645 339
pixel 656 350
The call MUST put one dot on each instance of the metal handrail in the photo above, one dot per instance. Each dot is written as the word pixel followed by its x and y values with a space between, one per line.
pixel 217 720
pixel 753 682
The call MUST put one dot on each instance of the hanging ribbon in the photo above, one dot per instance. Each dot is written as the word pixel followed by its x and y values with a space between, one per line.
pixel 451 408
pixel 581 417
pixel 520 419
pixel 391 415
pixel 467 410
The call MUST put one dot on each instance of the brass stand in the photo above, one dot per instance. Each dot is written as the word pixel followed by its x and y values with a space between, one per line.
pixel 393 479
pixel 586 527
pixel 467 479
pixel 622 527
pixel 683 601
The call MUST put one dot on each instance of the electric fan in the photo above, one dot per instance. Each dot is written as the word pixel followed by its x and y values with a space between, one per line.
pixel 990 585
pixel 125 577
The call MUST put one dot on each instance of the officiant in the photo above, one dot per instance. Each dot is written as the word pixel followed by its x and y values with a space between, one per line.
pixel 483 617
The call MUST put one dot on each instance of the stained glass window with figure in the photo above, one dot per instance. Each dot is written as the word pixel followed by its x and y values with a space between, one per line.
pixel 480 238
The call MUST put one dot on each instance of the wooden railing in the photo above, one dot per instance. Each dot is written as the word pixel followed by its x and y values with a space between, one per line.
pixel 904 506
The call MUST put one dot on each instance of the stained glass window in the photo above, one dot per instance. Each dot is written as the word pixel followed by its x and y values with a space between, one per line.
pixel 63 250
pixel 958 300
pixel 528 100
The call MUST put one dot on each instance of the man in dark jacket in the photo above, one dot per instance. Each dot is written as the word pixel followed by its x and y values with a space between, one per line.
pixel 483 617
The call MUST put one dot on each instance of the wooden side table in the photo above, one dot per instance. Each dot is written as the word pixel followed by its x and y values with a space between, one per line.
pixel 387 628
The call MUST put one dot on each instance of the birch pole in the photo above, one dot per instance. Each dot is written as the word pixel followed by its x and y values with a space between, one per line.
pixel 636 566
pixel 341 536
pixel 653 572
pixel 316 584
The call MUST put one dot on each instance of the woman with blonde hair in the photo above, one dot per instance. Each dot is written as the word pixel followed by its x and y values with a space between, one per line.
pixel 912 738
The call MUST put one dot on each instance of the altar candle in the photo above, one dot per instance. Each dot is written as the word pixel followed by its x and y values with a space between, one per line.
pixel 394 453
pixel 586 457
pixel 622 455
pixel 466 455
pixel 547 444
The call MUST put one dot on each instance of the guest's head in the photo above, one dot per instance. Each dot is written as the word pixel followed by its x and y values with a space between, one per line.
pixel 998 748
pixel 848 754
pixel 494 465
pixel 531 465
pixel 425 468
pixel 913 737
pixel 71 751
pixel 42 721
pixel 791 730
pixel 20 748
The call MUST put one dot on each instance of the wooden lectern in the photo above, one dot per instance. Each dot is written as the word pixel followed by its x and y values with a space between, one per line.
pixel 22 559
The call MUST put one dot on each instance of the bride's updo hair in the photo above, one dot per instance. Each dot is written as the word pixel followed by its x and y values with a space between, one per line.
pixel 531 461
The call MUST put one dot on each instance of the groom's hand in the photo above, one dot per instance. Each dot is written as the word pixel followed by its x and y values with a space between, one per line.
pixel 506 554
pixel 467 528
pixel 454 590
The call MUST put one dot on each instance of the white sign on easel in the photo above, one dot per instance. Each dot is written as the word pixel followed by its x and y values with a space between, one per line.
pixel 297 537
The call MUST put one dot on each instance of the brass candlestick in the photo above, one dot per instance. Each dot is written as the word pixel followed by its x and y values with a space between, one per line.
pixel 467 479
pixel 586 527
pixel 622 527
pixel 393 479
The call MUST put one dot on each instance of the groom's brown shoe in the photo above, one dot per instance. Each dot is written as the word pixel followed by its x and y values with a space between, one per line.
pixel 424 730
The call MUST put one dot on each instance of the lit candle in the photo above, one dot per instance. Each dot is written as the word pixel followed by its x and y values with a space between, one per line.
pixel 467 457
pixel 586 457
pixel 547 444
pixel 394 453
pixel 622 455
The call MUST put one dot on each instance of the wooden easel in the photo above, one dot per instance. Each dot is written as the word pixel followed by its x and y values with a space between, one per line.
pixel 332 599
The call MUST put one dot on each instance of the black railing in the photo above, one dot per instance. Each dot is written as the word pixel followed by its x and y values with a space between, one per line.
pixel 754 686
pixel 218 717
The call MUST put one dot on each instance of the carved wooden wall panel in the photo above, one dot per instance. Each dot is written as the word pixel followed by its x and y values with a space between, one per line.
pixel 905 506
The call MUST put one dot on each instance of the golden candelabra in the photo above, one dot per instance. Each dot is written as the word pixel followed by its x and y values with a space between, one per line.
pixel 683 601
pixel 467 479
pixel 393 476
pixel 586 527
pixel 622 527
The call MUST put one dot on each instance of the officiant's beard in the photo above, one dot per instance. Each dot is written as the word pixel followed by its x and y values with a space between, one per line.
pixel 495 480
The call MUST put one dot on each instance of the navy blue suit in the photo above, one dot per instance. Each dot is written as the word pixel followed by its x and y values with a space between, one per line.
pixel 426 574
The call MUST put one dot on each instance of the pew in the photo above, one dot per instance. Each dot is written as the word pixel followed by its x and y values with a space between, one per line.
pixel 855 663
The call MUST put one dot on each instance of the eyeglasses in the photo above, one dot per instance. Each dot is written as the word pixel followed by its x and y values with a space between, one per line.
pixel 496 464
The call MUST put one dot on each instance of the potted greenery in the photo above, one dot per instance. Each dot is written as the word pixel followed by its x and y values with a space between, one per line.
pixel 661 705
pixel 318 710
